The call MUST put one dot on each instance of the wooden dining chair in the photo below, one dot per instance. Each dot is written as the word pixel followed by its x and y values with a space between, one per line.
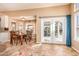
pixel 25 38
pixel 13 38
pixel 29 35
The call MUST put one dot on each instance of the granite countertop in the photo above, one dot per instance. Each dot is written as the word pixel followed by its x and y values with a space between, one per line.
pixel 1 30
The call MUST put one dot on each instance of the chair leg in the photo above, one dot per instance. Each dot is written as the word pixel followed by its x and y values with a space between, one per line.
pixel 11 41
pixel 16 42
pixel 21 42
pixel 25 40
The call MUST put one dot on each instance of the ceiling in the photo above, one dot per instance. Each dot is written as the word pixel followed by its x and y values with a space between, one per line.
pixel 22 6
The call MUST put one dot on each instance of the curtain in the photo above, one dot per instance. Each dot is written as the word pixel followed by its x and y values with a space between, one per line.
pixel 68 34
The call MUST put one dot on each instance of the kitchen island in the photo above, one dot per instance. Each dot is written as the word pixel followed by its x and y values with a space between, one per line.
pixel 4 36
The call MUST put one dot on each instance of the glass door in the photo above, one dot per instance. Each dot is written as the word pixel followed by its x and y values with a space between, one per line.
pixel 53 30
pixel 58 30
pixel 45 30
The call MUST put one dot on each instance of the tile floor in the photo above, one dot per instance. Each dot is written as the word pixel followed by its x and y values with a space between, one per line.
pixel 32 49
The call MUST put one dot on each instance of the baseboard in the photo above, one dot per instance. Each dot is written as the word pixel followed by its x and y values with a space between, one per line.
pixel 50 43
pixel 75 49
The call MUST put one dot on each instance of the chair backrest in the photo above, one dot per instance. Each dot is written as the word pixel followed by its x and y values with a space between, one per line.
pixel 12 34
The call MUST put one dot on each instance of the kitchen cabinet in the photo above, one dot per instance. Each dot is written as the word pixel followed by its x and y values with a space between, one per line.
pixel 4 22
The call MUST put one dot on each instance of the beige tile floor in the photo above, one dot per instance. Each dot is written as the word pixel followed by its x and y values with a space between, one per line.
pixel 32 49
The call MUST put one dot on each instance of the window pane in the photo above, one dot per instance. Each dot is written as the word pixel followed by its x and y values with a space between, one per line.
pixel 77 33
pixel 13 24
pixel 60 28
pixel 56 29
pixel 76 6
pixel 77 25
pixel 47 29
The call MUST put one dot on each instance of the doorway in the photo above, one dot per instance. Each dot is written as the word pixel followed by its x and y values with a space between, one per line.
pixel 53 30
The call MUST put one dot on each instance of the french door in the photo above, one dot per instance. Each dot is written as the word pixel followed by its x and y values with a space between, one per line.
pixel 53 30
